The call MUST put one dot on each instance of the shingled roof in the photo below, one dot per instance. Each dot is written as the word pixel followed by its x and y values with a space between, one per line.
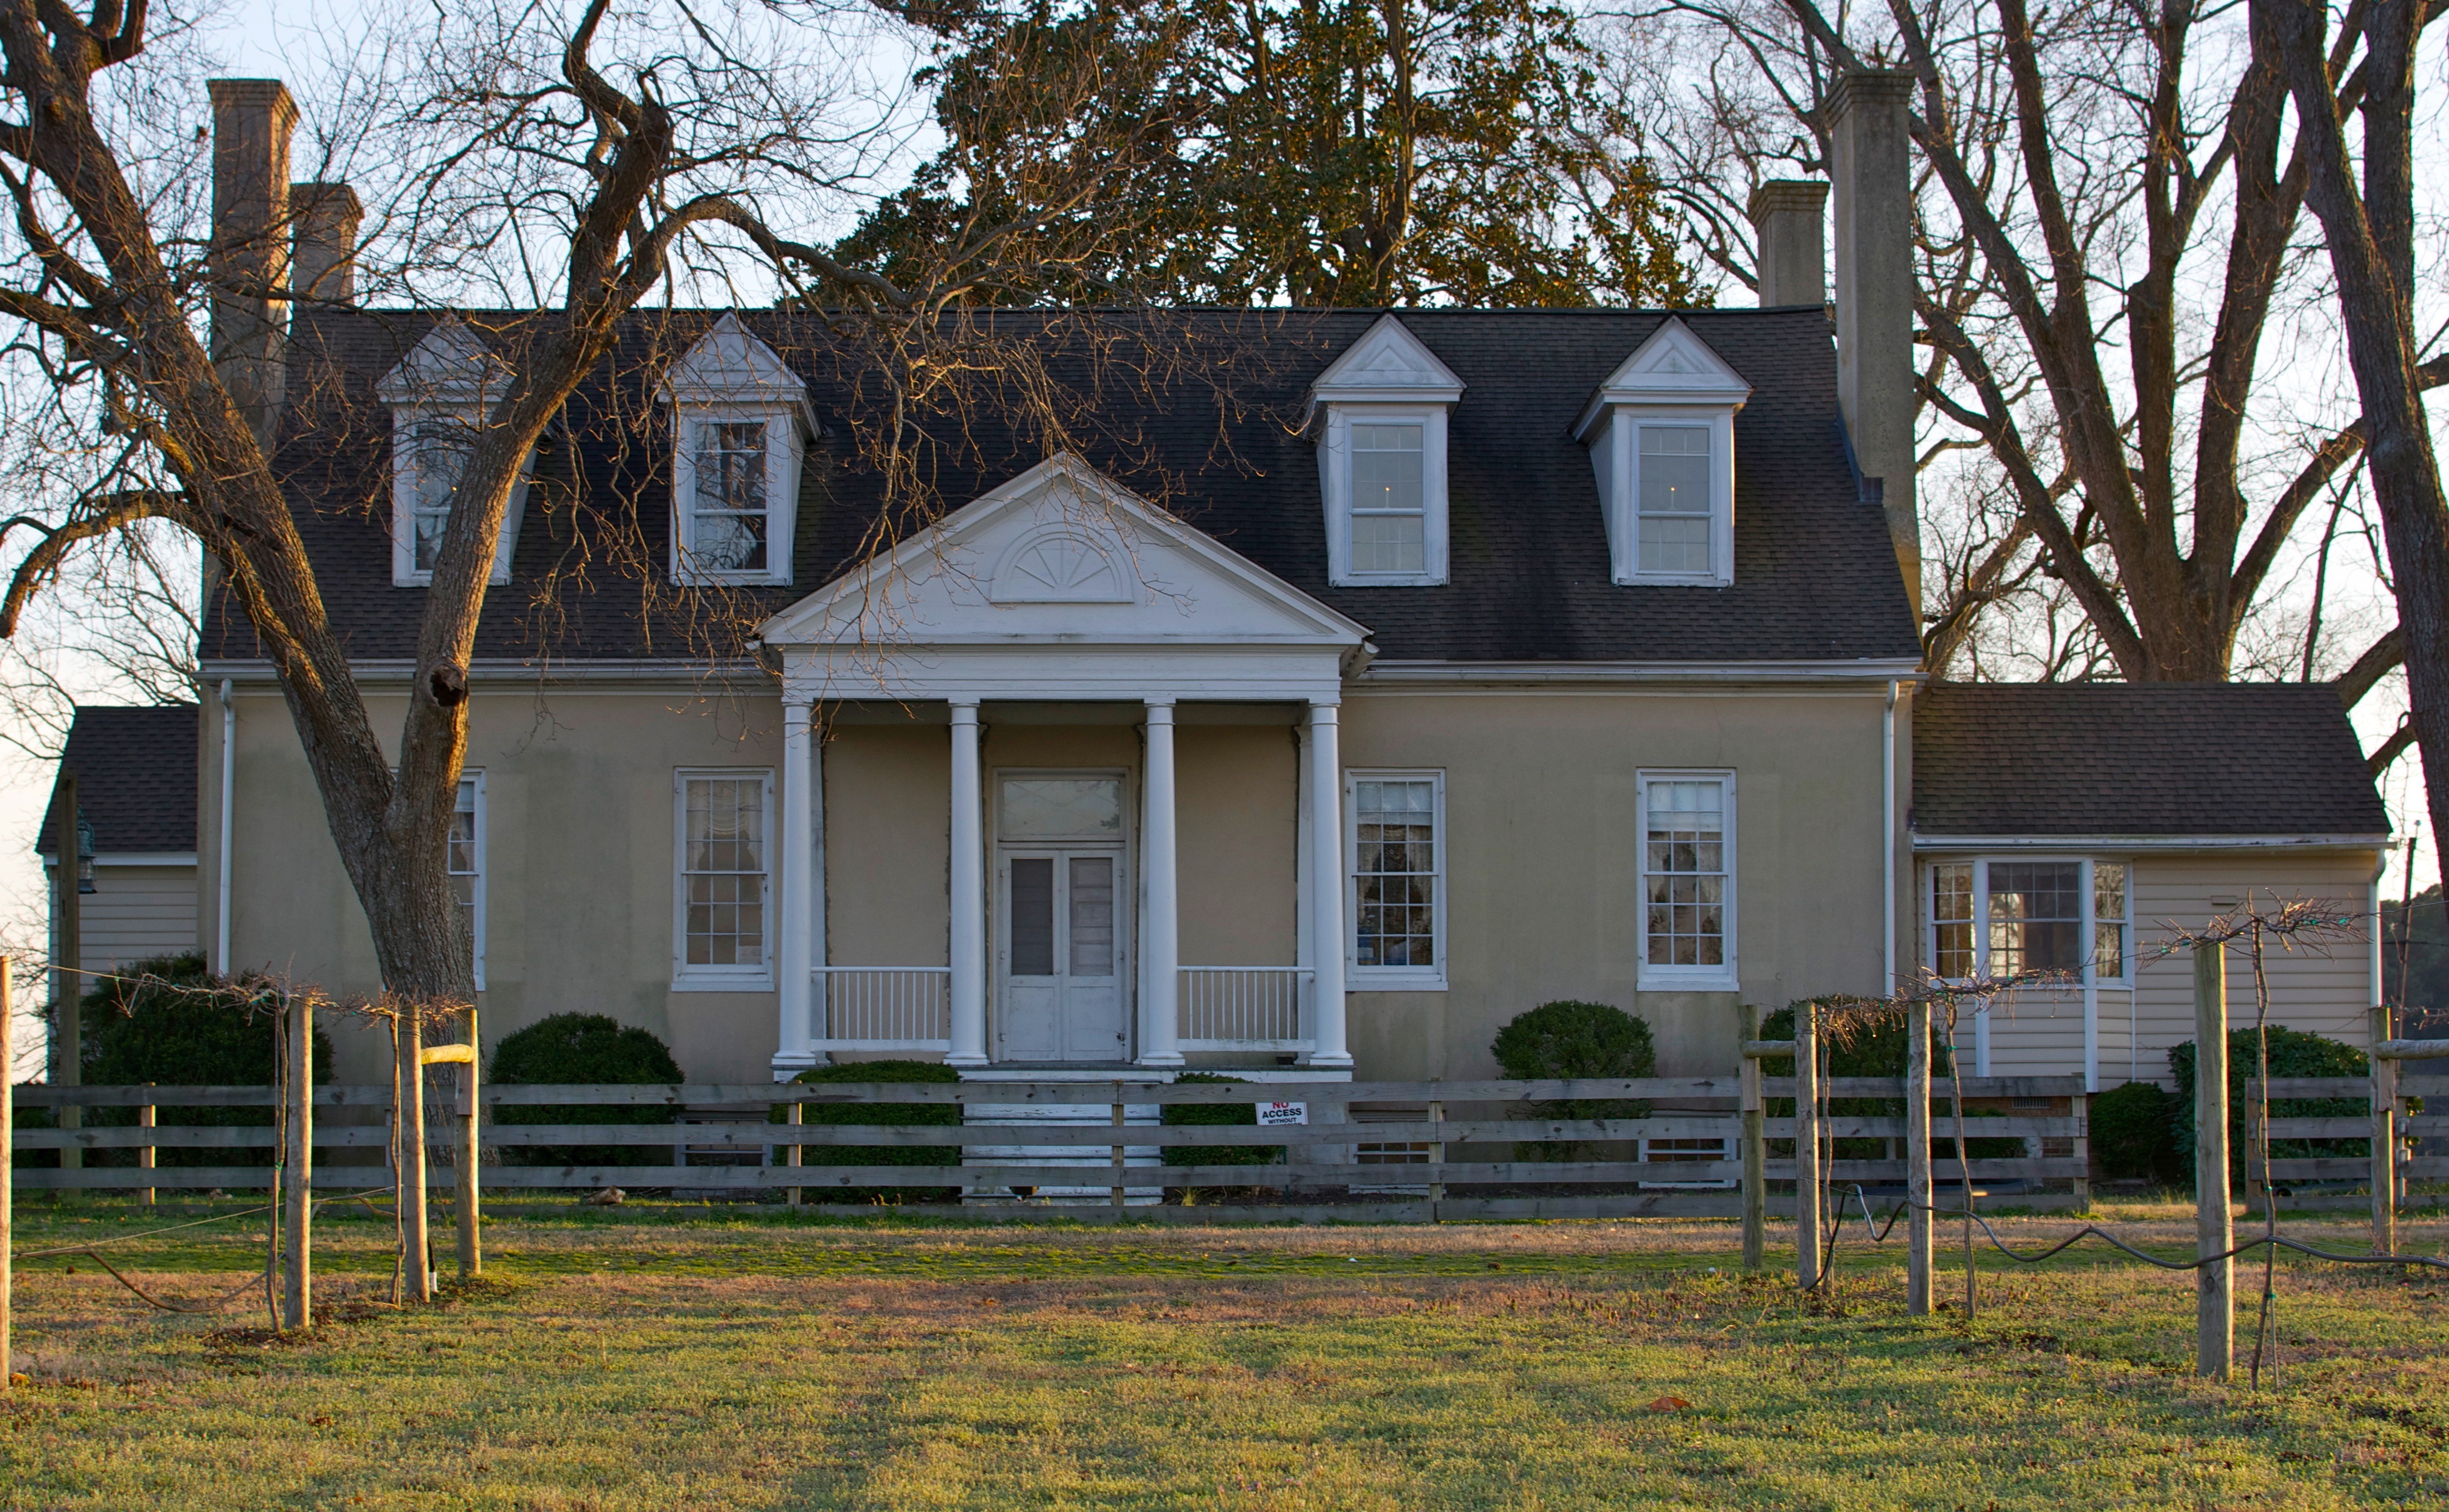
pixel 136 778
pixel 2138 760
pixel 1200 412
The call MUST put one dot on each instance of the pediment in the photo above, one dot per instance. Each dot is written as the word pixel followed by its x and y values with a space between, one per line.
pixel 1674 366
pixel 451 364
pixel 730 363
pixel 1061 555
pixel 1387 364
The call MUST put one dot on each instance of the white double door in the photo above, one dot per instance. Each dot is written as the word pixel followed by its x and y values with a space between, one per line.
pixel 1061 966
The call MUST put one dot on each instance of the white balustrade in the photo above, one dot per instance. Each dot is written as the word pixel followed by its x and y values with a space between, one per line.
pixel 1243 1008
pixel 883 1007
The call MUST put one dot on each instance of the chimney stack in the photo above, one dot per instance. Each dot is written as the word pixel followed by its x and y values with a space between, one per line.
pixel 326 269
pixel 1786 222
pixel 252 120
pixel 1870 160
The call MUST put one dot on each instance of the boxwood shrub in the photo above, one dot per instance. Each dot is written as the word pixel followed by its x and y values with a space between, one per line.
pixel 881 1115
pixel 584 1049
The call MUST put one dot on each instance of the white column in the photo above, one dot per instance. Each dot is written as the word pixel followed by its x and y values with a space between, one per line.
pixel 1304 910
pixel 1326 886
pixel 792 1051
pixel 1159 932
pixel 968 950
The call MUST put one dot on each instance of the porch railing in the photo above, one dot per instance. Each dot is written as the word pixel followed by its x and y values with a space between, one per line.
pixel 883 1007
pixel 1244 1007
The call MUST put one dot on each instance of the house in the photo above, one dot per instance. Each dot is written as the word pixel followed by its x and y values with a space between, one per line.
pixel 135 770
pixel 1368 681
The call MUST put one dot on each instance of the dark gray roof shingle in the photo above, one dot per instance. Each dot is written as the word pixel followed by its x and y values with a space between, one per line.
pixel 1202 416
pixel 136 777
pixel 2119 758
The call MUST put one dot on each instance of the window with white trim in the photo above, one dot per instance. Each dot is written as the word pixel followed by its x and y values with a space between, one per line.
pixel 430 448
pixel 466 861
pixel 727 530
pixel 1661 432
pixel 723 883
pixel 2013 917
pixel 1395 840
pixel 1688 881
pixel 1677 510
pixel 1385 484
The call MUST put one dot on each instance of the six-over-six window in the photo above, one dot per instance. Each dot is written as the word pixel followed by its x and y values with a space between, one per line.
pixel 2053 918
pixel 1688 877
pixel 722 900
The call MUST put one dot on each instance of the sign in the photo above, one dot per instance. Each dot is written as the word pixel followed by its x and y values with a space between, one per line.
pixel 1280 1115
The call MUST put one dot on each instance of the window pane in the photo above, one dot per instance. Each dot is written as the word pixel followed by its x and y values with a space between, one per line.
pixel 1674 543
pixel 729 529
pixel 1389 542
pixel 1674 469
pixel 1091 916
pixel 1951 914
pixel 462 860
pixel 1032 916
pixel 723 863
pixel 1683 866
pixel 1395 872
pixel 1386 467
pixel 2035 917
pixel 1062 808
pixel 2109 918
pixel 442 444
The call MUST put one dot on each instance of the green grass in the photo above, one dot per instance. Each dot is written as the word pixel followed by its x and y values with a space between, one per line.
pixel 722 1358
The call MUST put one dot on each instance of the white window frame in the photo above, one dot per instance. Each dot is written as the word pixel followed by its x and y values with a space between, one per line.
pixel 1360 978
pixel 1727 976
pixel 472 795
pixel 405 419
pixel 687 978
pixel 1335 482
pixel 784 451
pixel 2085 884
pixel 1618 458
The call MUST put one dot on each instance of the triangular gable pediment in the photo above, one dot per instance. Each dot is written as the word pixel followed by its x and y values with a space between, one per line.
pixel 451 364
pixel 1674 366
pixel 1387 364
pixel 1061 555
pixel 730 363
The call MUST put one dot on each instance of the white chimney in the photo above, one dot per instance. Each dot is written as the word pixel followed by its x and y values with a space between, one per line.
pixel 252 120
pixel 1788 217
pixel 326 270
pixel 1870 162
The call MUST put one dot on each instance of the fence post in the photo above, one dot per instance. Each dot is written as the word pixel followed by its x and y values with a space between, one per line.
pixel 2214 1226
pixel 146 1118
pixel 2384 1138
pixel 297 1298
pixel 472 1250
pixel 2080 1105
pixel 1755 1141
pixel 1437 1156
pixel 1806 1144
pixel 408 1120
pixel 793 1114
pixel 8 1143
pixel 1115 1193
pixel 1917 1214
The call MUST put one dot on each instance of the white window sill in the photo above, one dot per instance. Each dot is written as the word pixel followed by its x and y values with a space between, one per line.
pixel 1369 979
pixel 729 580
pixel 425 580
pixel 1389 581
pixel 1675 580
pixel 739 983
pixel 1659 981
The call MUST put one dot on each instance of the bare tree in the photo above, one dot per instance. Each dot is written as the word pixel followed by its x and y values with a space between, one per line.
pixel 2105 221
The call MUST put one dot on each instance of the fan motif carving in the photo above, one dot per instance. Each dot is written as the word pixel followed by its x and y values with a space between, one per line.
pixel 1059 568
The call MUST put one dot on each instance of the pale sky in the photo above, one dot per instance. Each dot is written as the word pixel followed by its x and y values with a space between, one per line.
pixel 285 38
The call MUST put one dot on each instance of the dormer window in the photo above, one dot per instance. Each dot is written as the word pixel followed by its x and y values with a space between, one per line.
pixel 740 424
pixel 439 396
pixel 1662 437
pixel 1383 460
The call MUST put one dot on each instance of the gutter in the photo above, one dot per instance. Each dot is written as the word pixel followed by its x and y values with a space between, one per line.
pixel 1888 833
pixel 1941 844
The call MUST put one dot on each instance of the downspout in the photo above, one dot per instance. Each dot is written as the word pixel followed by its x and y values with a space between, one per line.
pixel 1888 833
pixel 229 753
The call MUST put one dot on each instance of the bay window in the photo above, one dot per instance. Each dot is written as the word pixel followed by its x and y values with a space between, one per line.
pixel 2007 917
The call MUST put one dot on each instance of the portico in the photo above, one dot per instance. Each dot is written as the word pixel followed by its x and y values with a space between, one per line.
pixel 1090 632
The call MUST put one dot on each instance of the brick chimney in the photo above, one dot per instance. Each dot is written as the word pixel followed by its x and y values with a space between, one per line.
pixel 1787 216
pixel 1870 162
pixel 252 120
pixel 326 269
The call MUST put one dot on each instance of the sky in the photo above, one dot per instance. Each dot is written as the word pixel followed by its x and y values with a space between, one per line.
pixel 285 38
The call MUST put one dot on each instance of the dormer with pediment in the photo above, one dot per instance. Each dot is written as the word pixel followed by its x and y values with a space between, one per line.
pixel 1661 432
pixel 440 395
pixel 1380 415
pixel 740 426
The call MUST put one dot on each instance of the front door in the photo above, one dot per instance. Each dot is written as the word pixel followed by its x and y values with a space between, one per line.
pixel 1061 937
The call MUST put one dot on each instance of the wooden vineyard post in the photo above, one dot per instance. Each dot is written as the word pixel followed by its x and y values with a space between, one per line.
pixel 407 1142
pixel 298 1289
pixel 1437 1156
pixel 2384 1137
pixel 2214 1227
pixel 1806 1144
pixel 2080 1105
pixel 794 1115
pixel 148 1116
pixel 1117 1191
pixel 471 1249
pixel 1918 1214
pixel 1755 1142
pixel 7 1144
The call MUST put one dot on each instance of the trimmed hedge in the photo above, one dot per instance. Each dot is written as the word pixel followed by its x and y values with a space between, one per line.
pixel 1568 1039
pixel 2134 1137
pixel 1878 1049
pixel 2293 1053
pixel 583 1049
pixel 882 1114
pixel 1213 1116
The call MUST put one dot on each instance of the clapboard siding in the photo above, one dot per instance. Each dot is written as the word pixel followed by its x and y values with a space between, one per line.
pixel 137 911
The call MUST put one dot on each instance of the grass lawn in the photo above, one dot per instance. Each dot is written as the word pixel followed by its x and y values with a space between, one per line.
pixel 696 1358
